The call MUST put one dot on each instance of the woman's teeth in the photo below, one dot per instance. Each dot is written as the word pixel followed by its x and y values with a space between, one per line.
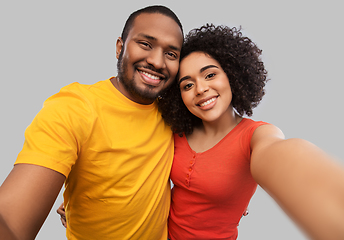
pixel 207 102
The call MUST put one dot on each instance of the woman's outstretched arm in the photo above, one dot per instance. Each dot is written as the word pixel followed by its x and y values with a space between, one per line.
pixel 306 182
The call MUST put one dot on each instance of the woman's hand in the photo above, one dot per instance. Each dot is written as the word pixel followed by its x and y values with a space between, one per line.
pixel 62 213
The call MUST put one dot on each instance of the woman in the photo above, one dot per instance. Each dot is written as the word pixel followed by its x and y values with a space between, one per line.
pixel 221 156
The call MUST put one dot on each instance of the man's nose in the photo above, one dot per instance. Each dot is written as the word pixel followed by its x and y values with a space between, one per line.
pixel 156 58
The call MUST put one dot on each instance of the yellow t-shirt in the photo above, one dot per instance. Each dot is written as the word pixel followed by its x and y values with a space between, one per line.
pixel 116 155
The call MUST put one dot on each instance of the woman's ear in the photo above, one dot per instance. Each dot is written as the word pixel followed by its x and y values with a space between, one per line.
pixel 119 46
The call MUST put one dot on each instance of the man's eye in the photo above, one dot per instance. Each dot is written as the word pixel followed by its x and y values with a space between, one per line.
pixel 171 55
pixel 145 44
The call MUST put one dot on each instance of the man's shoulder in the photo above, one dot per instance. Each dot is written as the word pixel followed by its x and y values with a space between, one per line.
pixel 75 96
pixel 76 86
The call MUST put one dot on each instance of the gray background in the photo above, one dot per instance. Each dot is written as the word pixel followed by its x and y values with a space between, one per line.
pixel 46 45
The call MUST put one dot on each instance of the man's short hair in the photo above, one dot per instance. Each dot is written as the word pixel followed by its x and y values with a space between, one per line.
pixel 150 9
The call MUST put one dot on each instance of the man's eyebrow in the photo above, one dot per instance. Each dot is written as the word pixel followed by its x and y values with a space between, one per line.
pixel 149 37
pixel 201 70
pixel 174 48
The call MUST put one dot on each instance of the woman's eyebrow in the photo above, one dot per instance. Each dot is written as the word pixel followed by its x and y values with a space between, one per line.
pixel 206 67
pixel 183 79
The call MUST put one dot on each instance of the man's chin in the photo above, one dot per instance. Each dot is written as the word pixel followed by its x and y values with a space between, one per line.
pixel 148 92
pixel 141 91
pixel 148 96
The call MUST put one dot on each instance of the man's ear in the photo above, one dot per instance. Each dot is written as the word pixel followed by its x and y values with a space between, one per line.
pixel 119 46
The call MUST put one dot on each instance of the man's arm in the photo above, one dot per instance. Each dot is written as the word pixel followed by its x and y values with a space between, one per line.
pixel 26 197
pixel 304 181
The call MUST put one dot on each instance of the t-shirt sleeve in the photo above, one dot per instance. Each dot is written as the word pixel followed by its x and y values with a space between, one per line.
pixel 247 134
pixel 57 133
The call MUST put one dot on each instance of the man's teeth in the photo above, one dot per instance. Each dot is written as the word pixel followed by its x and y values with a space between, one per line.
pixel 150 75
pixel 207 102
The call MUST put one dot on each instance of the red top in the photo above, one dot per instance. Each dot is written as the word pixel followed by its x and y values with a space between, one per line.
pixel 212 189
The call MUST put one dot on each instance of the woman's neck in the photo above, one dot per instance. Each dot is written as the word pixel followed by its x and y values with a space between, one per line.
pixel 209 134
pixel 221 126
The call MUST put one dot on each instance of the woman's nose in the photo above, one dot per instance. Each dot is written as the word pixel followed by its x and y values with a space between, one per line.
pixel 201 87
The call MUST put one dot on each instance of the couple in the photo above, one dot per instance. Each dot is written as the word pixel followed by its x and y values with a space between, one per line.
pixel 111 145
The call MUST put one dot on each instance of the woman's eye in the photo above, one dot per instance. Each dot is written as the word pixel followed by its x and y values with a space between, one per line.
pixel 187 86
pixel 210 75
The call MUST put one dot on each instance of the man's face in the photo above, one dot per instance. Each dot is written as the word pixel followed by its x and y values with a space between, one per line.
pixel 148 61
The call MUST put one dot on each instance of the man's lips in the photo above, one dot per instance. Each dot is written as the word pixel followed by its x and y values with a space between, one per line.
pixel 154 77
pixel 151 79
pixel 151 72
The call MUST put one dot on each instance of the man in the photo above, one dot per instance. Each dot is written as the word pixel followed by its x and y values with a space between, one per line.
pixel 107 142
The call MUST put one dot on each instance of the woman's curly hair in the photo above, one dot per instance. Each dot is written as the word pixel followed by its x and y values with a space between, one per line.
pixel 238 56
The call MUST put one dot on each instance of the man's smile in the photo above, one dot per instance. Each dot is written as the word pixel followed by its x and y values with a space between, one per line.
pixel 149 75
pixel 150 78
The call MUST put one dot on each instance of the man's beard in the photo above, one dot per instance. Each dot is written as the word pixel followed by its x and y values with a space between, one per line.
pixel 130 85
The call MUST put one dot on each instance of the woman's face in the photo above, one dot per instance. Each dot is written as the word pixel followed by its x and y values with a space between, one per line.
pixel 204 87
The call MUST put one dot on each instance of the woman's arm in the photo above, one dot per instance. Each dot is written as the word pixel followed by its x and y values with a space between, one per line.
pixel 61 211
pixel 26 197
pixel 307 183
